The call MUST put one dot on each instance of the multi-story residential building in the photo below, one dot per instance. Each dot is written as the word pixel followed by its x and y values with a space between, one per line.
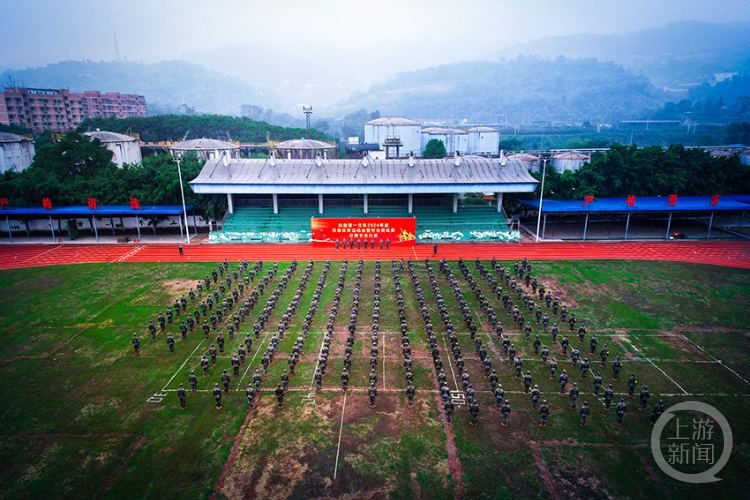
pixel 60 110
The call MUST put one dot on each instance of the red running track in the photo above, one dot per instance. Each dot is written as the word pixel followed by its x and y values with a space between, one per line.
pixel 723 253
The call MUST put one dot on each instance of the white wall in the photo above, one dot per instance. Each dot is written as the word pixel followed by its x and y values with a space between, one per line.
pixel 125 152
pixel 103 225
pixel 410 136
pixel 484 142
pixel 16 155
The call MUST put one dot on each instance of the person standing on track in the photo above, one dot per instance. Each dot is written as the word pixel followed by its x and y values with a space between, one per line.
pixel 179 247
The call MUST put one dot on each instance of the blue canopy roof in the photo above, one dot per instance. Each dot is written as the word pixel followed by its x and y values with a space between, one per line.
pixel 109 211
pixel 644 204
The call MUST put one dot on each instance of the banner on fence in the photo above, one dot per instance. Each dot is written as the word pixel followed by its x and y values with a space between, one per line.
pixel 397 231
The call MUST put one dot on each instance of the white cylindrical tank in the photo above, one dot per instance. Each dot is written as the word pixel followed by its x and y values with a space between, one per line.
pixel 569 160
pixel 407 131
pixel 484 140
pixel 458 140
pixel 305 149
pixel 453 139
pixel 529 161
pixel 430 133
pixel 207 149
pixel 16 152
pixel 126 149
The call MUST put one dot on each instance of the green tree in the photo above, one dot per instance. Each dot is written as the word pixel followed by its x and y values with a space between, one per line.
pixel 156 182
pixel 512 144
pixel 434 149
pixel 77 168
pixel 14 129
pixel 68 172
pixel 738 133
pixel 649 171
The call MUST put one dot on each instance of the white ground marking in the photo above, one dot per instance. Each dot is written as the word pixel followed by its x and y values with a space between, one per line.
pixel 654 364
pixel 715 359
pixel 257 350
pixel 182 366
pixel 341 430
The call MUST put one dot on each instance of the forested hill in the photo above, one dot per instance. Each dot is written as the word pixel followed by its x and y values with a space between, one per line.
pixel 526 88
pixel 167 85
pixel 682 52
pixel 175 127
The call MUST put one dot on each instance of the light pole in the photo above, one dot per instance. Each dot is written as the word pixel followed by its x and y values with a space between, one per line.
pixel 541 197
pixel 182 193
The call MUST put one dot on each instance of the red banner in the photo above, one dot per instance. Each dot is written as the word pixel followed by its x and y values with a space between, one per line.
pixel 397 232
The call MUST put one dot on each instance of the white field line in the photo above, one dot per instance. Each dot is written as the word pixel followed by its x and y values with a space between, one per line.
pixel 42 254
pixel 182 366
pixel 383 362
pixel 257 350
pixel 341 431
pixel 364 390
pixel 654 364
pixel 128 255
pixel 715 359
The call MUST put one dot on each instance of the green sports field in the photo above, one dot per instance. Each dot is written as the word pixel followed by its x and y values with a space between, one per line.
pixel 83 417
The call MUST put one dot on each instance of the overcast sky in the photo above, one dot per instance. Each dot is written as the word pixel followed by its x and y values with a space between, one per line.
pixel 37 32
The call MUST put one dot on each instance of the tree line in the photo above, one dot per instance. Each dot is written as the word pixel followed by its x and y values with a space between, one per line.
pixel 77 168
pixel 175 127
pixel 650 171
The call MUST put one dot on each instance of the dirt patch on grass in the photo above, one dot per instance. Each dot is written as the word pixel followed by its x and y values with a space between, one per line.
pixel 558 291
pixel 164 292
pixel 574 478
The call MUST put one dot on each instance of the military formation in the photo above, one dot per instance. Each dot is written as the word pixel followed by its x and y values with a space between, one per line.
pixel 223 304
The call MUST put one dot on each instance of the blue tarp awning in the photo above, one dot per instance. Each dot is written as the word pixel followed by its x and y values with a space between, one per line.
pixel 644 204
pixel 103 211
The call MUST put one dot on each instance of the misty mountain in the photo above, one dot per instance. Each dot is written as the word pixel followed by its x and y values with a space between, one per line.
pixel 677 55
pixel 297 80
pixel 167 85
pixel 525 90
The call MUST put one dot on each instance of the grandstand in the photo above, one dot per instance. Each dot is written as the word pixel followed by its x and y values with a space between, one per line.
pixel 399 179
pixel 434 223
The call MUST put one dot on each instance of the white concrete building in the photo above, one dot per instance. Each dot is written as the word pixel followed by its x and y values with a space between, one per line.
pixel 484 140
pixel 453 139
pixel 16 152
pixel 207 149
pixel 531 162
pixel 126 149
pixel 569 160
pixel 393 128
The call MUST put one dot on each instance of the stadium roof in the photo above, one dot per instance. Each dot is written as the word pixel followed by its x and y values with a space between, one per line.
pixel 643 204
pixel 109 210
pixel 465 174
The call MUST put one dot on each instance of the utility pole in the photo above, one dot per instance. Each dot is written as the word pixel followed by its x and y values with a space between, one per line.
pixel 541 197
pixel 308 111
pixel 117 50
pixel 182 193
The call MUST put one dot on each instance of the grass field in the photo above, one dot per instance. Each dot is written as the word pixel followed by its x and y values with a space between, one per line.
pixel 83 417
